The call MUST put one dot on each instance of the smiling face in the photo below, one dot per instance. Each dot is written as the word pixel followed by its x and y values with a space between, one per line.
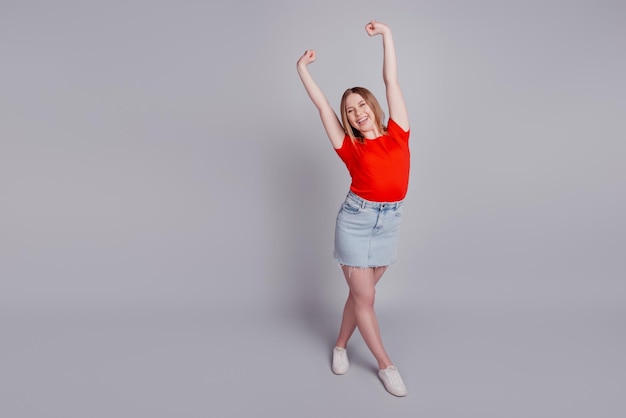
pixel 361 114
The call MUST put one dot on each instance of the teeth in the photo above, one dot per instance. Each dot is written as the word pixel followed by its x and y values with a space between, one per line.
pixel 361 120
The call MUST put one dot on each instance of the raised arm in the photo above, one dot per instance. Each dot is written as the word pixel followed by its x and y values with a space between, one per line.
pixel 395 99
pixel 331 123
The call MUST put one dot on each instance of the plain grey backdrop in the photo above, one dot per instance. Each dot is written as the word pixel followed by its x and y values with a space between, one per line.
pixel 168 198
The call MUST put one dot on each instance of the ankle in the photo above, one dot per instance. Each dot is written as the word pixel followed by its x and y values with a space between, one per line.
pixel 382 365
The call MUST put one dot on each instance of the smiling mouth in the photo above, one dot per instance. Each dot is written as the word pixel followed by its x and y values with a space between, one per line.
pixel 362 120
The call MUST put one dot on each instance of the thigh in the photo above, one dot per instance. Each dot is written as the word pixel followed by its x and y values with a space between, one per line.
pixel 378 273
pixel 361 281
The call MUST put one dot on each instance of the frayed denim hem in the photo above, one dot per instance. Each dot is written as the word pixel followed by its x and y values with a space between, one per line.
pixel 352 268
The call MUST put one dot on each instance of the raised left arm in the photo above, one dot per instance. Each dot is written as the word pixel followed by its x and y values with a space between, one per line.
pixel 395 100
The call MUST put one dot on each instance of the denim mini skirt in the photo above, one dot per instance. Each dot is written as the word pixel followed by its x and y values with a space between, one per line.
pixel 366 233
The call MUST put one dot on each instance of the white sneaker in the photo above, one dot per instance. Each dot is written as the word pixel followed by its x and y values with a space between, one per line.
pixel 393 381
pixel 340 361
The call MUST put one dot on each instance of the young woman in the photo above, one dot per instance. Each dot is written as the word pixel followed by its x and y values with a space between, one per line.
pixel 367 228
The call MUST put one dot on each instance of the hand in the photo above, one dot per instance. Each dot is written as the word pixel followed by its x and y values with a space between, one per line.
pixel 376 28
pixel 307 58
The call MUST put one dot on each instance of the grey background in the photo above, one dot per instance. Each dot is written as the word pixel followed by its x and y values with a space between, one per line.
pixel 168 204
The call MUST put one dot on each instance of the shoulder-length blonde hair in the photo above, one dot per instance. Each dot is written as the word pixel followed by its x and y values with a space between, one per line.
pixel 371 101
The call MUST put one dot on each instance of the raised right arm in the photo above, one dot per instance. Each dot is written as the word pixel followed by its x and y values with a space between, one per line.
pixel 331 123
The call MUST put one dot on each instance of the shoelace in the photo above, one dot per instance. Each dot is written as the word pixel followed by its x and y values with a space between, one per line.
pixel 340 355
pixel 394 376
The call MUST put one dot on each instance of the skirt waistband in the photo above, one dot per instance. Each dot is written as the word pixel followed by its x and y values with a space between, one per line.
pixel 373 205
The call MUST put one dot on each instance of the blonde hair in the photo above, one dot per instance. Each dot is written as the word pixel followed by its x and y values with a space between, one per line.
pixel 371 101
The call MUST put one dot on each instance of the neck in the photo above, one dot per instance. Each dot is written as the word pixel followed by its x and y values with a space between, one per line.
pixel 373 134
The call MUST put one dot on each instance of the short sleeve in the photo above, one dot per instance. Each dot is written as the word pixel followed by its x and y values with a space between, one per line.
pixel 344 151
pixel 395 131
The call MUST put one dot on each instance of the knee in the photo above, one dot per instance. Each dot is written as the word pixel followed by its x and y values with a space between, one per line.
pixel 363 299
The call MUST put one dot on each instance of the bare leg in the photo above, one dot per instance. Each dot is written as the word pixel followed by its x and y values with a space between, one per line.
pixel 359 311
pixel 348 321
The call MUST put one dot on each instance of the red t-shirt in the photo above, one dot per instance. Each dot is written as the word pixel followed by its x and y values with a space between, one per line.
pixel 379 167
